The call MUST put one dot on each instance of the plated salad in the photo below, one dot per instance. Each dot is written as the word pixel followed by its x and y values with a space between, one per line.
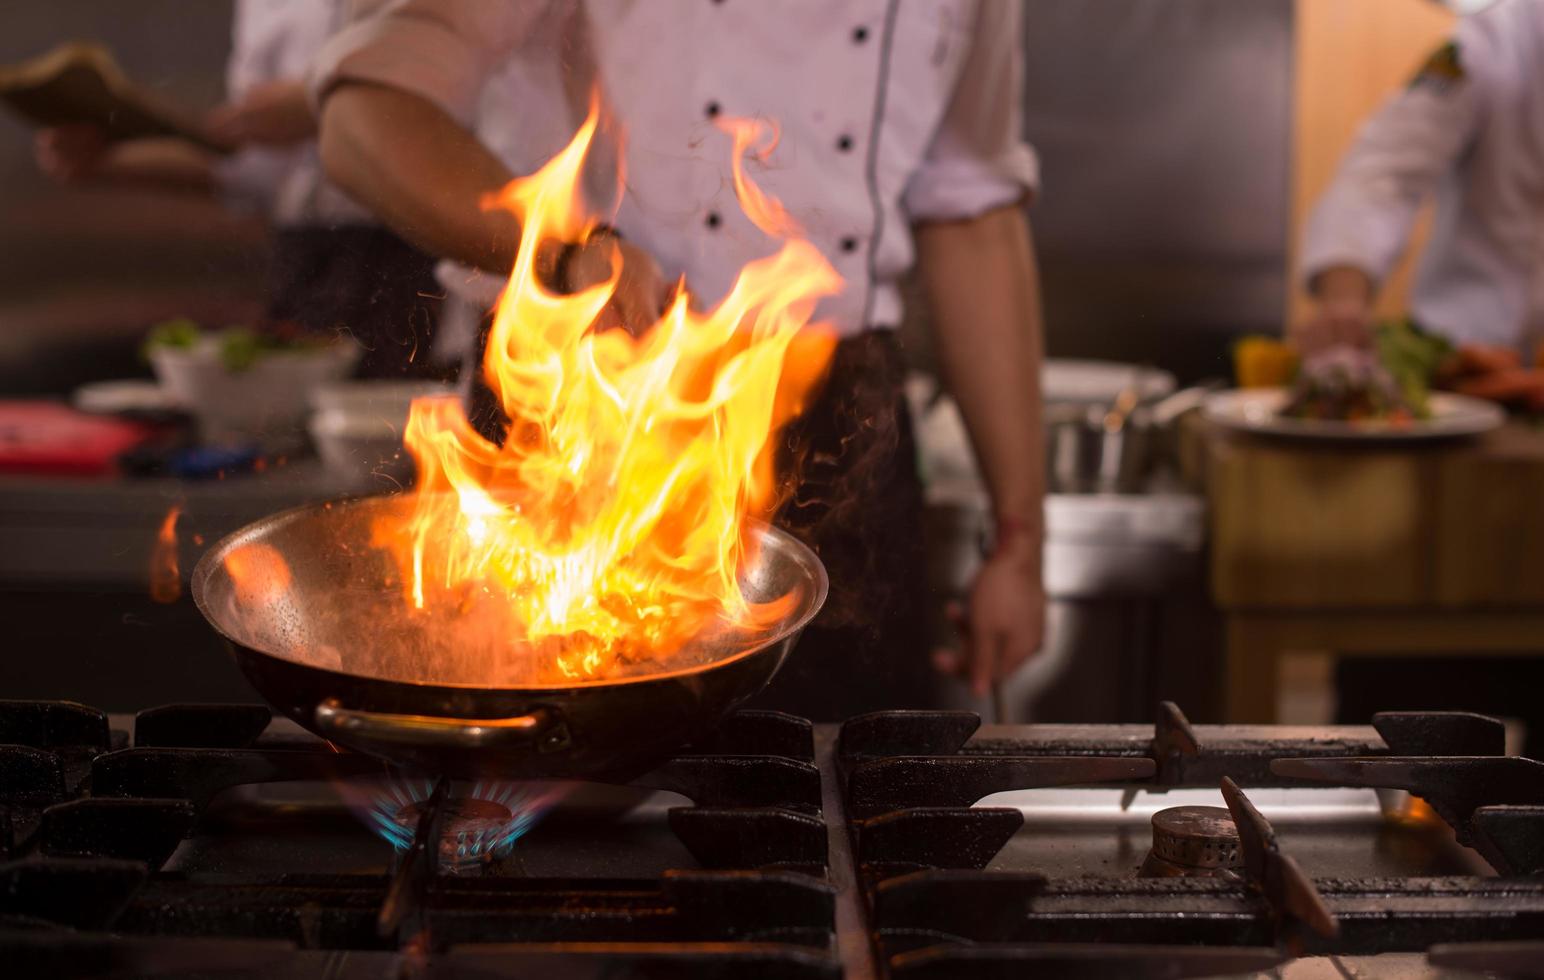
pixel 1348 384
pixel 238 347
pixel 1389 383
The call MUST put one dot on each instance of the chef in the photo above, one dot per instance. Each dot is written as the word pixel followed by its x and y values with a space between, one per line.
pixel 1469 131
pixel 334 267
pixel 900 143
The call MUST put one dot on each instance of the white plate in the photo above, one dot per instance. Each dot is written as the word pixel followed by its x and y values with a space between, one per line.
pixel 1258 410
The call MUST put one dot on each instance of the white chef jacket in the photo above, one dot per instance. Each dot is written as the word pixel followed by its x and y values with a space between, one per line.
pixel 890 112
pixel 1477 143
pixel 276 40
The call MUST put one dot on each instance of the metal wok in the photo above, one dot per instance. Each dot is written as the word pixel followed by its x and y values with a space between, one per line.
pixel 330 601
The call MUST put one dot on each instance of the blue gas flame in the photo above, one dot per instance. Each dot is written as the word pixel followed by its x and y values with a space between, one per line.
pixel 526 803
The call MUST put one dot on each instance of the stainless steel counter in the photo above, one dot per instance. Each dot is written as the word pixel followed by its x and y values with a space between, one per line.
pixel 60 534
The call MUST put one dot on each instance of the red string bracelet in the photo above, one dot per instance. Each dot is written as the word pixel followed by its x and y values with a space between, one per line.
pixel 1009 526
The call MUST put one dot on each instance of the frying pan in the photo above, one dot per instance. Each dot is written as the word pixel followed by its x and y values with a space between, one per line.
pixel 311 646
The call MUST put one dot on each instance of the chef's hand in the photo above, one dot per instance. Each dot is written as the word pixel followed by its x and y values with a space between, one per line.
pixel 1004 623
pixel 1496 373
pixel 1511 386
pixel 71 153
pixel 1342 313
pixel 273 114
pixel 641 294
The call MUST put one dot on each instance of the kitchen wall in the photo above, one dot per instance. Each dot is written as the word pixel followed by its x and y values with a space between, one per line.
pixel 1164 130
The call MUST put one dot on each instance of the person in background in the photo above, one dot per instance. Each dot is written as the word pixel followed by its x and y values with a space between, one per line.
pixel 900 142
pixel 1465 132
pixel 334 267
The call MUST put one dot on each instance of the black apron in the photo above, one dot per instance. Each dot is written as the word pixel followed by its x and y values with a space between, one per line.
pixel 365 282
pixel 857 500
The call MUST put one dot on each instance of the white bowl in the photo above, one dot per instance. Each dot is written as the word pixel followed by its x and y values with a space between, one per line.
pixel 358 430
pixel 265 404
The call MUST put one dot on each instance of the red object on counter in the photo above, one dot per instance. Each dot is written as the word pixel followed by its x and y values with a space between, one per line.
pixel 46 438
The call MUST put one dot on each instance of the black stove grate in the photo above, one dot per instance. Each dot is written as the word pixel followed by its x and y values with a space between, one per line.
pixel 938 907
pixel 797 853
pixel 91 824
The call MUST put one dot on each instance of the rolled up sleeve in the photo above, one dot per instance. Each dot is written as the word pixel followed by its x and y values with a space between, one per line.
pixel 1365 216
pixel 442 50
pixel 978 159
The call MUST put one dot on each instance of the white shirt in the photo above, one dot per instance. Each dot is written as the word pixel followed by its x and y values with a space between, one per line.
pixel 277 40
pixel 890 112
pixel 1477 143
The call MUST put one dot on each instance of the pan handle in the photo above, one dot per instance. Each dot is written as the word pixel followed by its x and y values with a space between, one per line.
pixel 540 728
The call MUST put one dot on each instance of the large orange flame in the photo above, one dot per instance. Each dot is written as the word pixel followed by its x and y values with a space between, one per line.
pixel 611 523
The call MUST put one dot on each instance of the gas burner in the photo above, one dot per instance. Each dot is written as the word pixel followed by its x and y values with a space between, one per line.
pixel 480 823
pixel 1193 842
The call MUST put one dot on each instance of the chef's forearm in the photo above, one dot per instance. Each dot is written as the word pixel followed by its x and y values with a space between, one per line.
pixel 984 292
pixel 420 171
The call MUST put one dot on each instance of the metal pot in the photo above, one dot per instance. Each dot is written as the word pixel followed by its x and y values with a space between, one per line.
pixel 311 661
pixel 1110 449
pixel 1084 455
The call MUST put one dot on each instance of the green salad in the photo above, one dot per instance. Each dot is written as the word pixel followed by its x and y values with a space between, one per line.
pixel 239 347
pixel 1390 382
pixel 1412 357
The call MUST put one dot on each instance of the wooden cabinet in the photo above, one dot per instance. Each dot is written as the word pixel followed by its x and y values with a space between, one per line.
pixel 1460 527
pixel 1437 549
pixel 1294 530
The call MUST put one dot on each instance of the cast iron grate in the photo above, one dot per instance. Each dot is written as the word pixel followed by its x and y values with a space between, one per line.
pixel 88 823
pixel 819 853
pixel 936 907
